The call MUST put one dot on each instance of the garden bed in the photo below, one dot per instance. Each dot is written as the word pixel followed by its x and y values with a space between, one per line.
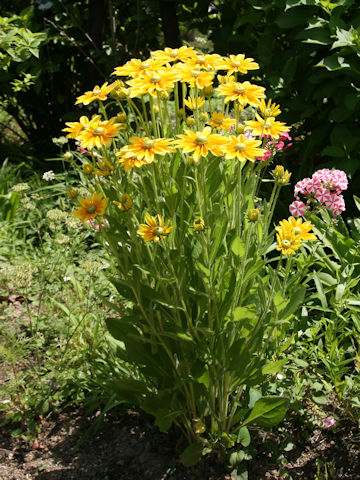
pixel 129 446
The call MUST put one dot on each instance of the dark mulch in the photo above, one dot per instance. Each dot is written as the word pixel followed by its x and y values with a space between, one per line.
pixel 129 446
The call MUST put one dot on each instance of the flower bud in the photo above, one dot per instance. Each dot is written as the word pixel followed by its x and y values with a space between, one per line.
pixel 192 160
pixel 68 156
pixel 208 90
pixel 181 112
pixel 199 224
pixel 280 174
pixel 253 214
pixel 71 193
pixel 240 129
pixel 164 95
pixel 121 117
pixel 122 93
pixel 190 121
pixel 87 168
pixel 204 117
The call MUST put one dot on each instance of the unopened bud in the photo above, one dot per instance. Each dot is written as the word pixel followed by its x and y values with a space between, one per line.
pixel 68 156
pixel 208 90
pixel 121 117
pixel 71 193
pixel 253 214
pixel 240 129
pixel 199 224
pixel 87 168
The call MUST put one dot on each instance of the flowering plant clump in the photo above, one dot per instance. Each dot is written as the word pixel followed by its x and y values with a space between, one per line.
pixel 322 190
pixel 175 158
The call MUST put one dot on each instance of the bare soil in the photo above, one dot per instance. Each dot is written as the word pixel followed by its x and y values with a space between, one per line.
pixel 129 446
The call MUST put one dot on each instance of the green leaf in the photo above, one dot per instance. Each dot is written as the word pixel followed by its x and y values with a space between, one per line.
pixel 333 62
pixel 344 38
pixel 240 313
pixel 268 411
pixel 243 437
pixel 296 299
pixel 192 454
pixel 357 202
pixel 274 367
pixel 236 457
pixel 164 418
pixel 294 17
pixel 333 151
pixel 321 295
pixel 238 247
pixel 219 234
pixel 318 36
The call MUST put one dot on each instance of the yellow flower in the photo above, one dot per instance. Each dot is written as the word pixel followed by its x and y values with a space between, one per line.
pixel 287 242
pixel 173 54
pixel 201 143
pixel 225 78
pixel 269 109
pixel 98 93
pixel 243 148
pixel 130 162
pixel 267 127
pixel 144 148
pixel 91 206
pixel 220 122
pixel 245 93
pixel 125 202
pixel 195 76
pixel 152 82
pixel 191 103
pixel 199 224
pixel 296 227
pixel 98 133
pixel 206 62
pixel 154 229
pixel 237 63
pixel 280 174
pixel 75 128
pixel 136 67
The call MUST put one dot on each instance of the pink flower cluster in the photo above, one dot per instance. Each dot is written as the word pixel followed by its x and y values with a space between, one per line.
pixel 92 224
pixel 274 145
pixel 322 189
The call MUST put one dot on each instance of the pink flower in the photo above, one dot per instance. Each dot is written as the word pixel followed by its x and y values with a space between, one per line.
pixel 297 208
pixel 324 187
pixel 328 422
pixel 322 195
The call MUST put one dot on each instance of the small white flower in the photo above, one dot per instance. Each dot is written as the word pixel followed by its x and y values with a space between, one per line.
pixel 279 376
pixel 104 265
pixel 67 278
pixel 50 175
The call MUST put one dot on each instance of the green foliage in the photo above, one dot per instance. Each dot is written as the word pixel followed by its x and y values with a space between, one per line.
pixel 54 349
pixel 54 51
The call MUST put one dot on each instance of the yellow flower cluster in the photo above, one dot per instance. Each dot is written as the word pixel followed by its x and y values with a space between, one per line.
pixel 291 233
pixel 220 103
